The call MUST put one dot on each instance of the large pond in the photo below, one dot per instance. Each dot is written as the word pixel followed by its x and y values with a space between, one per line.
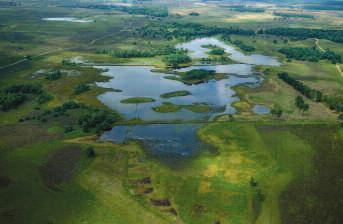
pixel 141 81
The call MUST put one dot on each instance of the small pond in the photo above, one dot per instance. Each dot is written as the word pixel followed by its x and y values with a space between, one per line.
pixel 68 19
pixel 261 109
pixel 166 141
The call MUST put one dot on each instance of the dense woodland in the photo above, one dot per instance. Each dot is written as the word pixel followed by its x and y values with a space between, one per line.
pixel 243 46
pixel 174 60
pixel 136 53
pixel 302 33
pixel 186 31
pixel 311 54
pixel 15 95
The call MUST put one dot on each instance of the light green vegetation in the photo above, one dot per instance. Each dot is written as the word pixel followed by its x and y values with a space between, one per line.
pixel 198 107
pixel 135 100
pixel 167 107
pixel 176 94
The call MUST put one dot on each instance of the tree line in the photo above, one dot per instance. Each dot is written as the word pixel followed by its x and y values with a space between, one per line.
pixel 310 54
pixel 135 53
pixel 15 95
pixel 243 46
pixel 304 33
pixel 293 15
pixel 312 94
pixel 174 60
pixel 187 31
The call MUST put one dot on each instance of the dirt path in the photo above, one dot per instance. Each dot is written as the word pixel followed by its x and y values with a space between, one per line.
pixel 317 44
pixel 338 67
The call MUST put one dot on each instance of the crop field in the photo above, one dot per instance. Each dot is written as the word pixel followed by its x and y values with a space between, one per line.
pixel 185 112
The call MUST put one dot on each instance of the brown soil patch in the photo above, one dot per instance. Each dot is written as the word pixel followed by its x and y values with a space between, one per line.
pixel 145 180
pixel 60 166
pixel 160 202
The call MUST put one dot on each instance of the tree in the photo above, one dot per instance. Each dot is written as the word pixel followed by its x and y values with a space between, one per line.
pixel 300 103
pixel 276 111
pixel 253 182
pixel 90 152
pixel 174 60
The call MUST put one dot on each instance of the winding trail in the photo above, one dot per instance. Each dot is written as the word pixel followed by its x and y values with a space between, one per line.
pixel 338 67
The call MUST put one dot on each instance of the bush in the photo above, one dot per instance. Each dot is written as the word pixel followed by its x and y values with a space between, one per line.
pixel 90 152
pixel 11 100
pixel 99 120
pixel 174 60
pixel 43 98
pixel 80 88
pixel 68 129
pixel 53 75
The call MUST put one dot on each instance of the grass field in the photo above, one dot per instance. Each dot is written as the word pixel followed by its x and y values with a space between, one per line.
pixel 214 186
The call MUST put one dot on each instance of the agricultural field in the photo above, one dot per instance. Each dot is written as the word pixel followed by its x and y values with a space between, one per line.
pixel 182 112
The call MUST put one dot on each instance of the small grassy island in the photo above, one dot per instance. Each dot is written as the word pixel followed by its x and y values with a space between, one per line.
pixel 176 94
pixel 215 50
pixel 167 107
pixel 135 100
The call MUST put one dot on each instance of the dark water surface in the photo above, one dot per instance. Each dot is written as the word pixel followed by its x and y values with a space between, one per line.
pixel 165 141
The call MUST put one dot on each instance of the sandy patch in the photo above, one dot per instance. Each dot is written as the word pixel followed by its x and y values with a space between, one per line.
pixel 211 170
pixel 204 187
pixel 251 16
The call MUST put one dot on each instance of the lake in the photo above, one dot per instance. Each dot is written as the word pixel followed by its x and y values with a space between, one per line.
pixel 175 141
pixel 141 81
pixel 137 81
